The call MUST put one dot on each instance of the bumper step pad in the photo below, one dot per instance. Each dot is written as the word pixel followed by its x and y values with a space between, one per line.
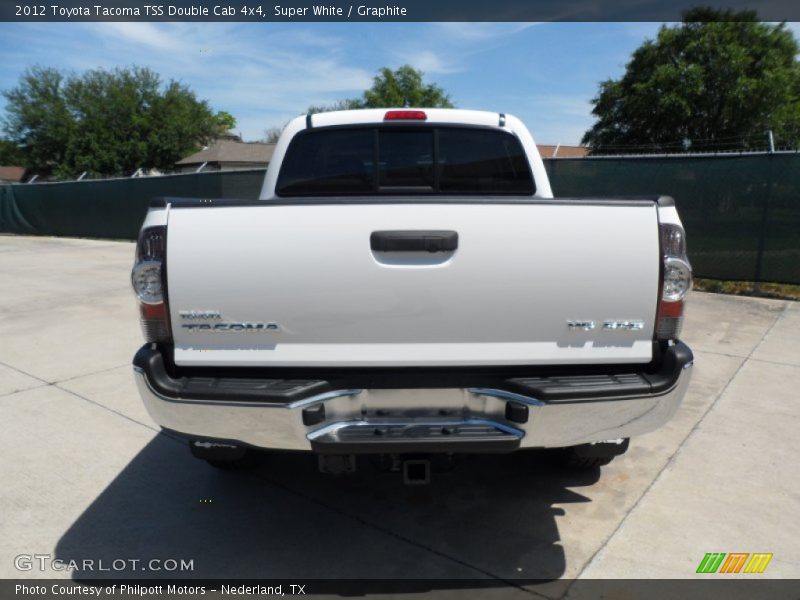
pixel 570 387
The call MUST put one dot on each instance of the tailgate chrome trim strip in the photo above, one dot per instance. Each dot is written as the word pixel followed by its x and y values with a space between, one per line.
pixel 333 427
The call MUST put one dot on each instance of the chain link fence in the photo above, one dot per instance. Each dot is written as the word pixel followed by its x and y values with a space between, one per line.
pixel 741 212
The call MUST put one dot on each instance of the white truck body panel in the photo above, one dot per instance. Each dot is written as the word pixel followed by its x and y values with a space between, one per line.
pixel 496 316
pixel 504 297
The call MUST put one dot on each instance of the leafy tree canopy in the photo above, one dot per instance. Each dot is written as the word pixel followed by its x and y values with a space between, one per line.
pixel 347 104
pixel 10 154
pixel 226 120
pixel 402 87
pixel 272 134
pixel 719 80
pixel 106 122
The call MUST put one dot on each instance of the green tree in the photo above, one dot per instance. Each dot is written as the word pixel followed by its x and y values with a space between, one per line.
pixel 106 122
pixel 225 120
pixel 402 87
pixel 37 119
pixel 272 134
pixel 346 104
pixel 719 80
pixel 10 154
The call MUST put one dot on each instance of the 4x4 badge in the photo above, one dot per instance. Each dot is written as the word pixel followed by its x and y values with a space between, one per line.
pixel 622 325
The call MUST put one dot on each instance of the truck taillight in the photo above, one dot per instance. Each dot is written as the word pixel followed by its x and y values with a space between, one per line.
pixel 149 281
pixel 676 281
pixel 405 115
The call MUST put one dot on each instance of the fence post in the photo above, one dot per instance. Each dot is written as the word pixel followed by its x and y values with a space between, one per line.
pixel 551 175
pixel 762 236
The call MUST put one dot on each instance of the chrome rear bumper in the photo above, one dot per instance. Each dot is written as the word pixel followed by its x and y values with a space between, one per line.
pixel 414 420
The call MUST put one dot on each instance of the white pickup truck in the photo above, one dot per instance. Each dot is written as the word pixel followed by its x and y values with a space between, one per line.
pixel 408 286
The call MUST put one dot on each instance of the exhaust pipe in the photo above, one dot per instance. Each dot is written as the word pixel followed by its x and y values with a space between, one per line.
pixel 417 471
pixel 337 464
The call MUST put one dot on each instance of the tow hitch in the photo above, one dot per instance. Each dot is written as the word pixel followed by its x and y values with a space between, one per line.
pixel 415 468
pixel 417 471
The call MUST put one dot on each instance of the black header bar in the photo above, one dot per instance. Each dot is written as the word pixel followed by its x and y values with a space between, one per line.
pixel 371 10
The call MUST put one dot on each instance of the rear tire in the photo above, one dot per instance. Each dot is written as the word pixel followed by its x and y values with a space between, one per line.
pixel 593 456
pixel 224 455
pixel 573 461
pixel 245 463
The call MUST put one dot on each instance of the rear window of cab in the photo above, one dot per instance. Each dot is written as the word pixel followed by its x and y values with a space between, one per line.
pixel 404 160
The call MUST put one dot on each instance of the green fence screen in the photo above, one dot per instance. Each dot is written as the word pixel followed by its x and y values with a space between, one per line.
pixel 110 208
pixel 742 213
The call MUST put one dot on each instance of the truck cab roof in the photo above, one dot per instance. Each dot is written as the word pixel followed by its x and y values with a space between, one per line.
pixel 455 116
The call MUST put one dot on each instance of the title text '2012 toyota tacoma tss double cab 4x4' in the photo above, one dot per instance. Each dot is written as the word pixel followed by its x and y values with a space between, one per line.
pixel 407 285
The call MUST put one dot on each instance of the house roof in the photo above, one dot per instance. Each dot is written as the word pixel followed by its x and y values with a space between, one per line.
pixel 548 151
pixel 14 174
pixel 230 151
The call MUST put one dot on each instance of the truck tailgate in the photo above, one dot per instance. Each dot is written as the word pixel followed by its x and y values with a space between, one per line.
pixel 275 284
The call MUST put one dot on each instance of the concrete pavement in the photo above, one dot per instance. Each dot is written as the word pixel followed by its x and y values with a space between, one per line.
pixel 86 474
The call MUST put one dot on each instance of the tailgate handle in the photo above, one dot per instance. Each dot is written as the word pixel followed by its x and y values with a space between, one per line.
pixel 414 241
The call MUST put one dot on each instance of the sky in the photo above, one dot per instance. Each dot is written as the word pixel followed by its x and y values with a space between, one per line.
pixel 264 74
